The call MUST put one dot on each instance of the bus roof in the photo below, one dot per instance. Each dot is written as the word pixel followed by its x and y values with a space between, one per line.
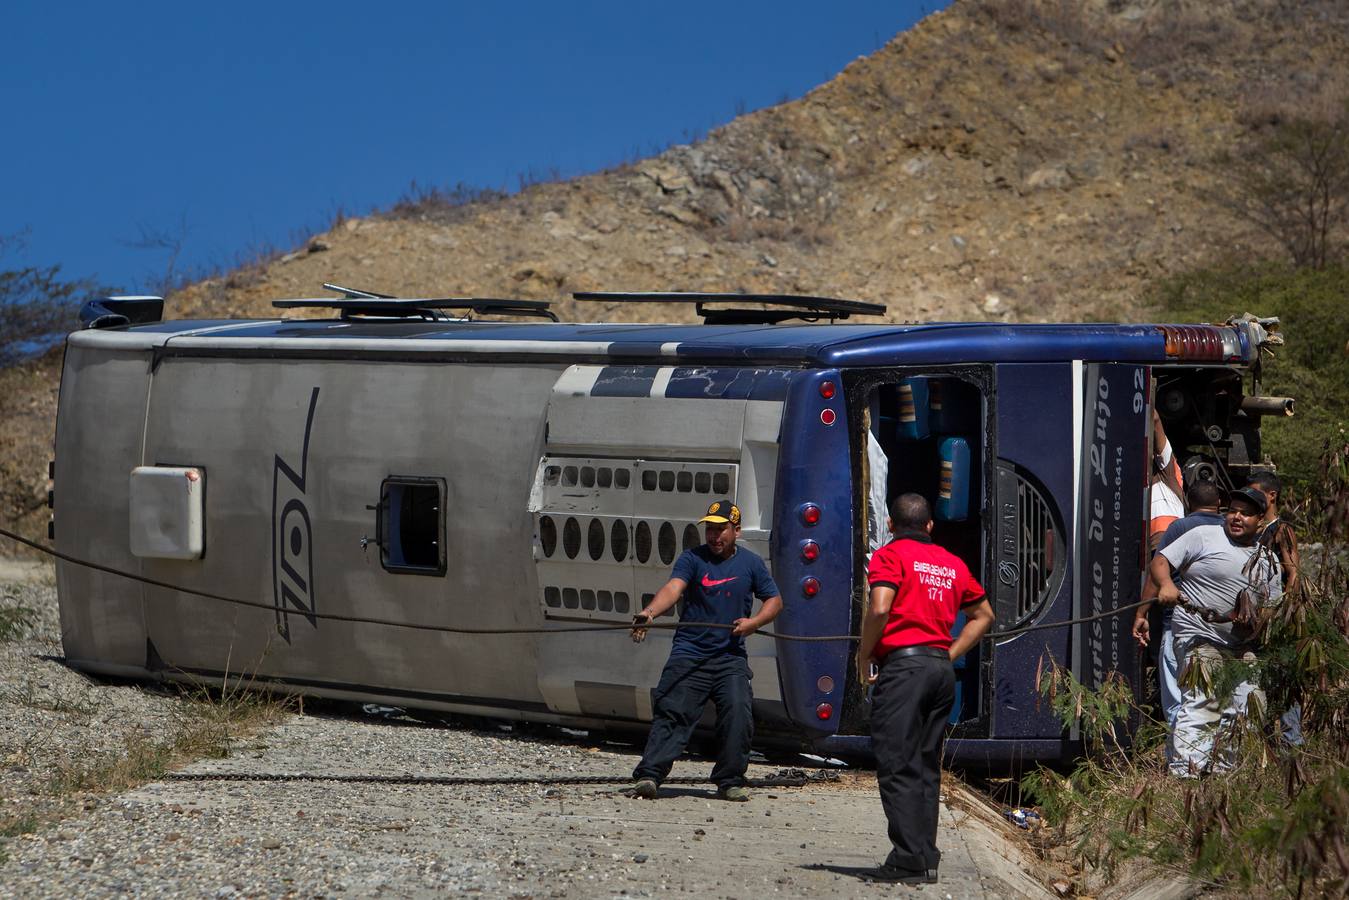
pixel 793 345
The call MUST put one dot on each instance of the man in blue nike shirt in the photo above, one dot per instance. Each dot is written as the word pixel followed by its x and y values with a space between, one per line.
pixel 718 582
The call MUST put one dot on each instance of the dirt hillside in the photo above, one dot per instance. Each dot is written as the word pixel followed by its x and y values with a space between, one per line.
pixel 1008 159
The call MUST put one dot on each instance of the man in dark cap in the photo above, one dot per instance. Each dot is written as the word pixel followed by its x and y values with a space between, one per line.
pixel 718 582
pixel 1219 576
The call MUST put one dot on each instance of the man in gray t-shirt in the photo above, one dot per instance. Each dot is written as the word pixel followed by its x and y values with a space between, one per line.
pixel 1208 567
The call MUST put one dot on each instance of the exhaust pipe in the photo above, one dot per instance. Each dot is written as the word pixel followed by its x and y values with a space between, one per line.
pixel 1267 406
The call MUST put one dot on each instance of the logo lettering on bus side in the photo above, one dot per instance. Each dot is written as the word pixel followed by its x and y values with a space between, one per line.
pixel 292 536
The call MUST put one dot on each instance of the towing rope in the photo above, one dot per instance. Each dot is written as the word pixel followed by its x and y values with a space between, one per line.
pixel 561 629
pixel 782 778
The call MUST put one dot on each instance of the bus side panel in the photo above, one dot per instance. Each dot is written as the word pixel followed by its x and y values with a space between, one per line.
pixel 1034 447
pixel 1114 482
pixel 100 424
pixel 295 453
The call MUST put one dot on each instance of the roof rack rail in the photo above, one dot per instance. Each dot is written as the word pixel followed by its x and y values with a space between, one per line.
pixel 796 306
pixel 356 293
pixel 367 304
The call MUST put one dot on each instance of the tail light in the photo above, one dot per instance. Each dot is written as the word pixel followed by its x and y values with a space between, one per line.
pixel 810 514
pixel 810 585
pixel 1201 342
pixel 824 711
pixel 810 551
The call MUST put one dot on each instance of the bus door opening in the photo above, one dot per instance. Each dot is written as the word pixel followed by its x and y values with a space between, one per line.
pixel 925 434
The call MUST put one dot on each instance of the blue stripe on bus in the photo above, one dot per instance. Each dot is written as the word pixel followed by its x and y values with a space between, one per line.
pixel 727 383
pixel 694 383
pixel 624 381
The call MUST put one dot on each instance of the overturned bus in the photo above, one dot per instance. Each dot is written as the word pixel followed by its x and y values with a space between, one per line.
pixel 414 463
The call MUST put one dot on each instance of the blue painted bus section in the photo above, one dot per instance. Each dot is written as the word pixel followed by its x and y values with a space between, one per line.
pixel 813 469
pixel 1035 416
pixel 1112 534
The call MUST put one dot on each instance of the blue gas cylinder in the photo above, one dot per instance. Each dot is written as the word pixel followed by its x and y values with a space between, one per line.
pixel 913 409
pixel 953 495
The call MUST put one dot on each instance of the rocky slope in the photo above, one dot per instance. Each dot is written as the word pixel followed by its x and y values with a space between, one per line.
pixel 1005 158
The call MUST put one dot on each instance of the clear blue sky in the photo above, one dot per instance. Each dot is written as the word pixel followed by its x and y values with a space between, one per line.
pixel 243 125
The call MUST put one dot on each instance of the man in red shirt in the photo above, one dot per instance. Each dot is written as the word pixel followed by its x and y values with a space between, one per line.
pixel 916 590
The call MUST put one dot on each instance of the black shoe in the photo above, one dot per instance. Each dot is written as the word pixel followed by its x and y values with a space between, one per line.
pixel 903 876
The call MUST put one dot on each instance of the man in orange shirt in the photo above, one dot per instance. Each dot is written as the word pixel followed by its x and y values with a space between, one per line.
pixel 917 588
pixel 1167 491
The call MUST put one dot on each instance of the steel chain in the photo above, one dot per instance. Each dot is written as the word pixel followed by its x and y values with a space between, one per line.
pixel 562 629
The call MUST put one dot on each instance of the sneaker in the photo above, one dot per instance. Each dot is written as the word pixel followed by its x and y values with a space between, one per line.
pixel 735 793
pixel 645 788
pixel 885 872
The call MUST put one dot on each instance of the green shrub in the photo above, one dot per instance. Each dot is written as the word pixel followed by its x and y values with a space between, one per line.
pixel 1312 367
pixel 1277 822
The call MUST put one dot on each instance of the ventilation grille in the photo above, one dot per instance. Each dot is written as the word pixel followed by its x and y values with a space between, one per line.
pixel 691 537
pixel 668 481
pixel 588 539
pixel 547 536
pixel 588 600
pixel 602 477
pixel 592 603
pixel 607 530
pixel 618 541
pixel 1039 551
pixel 595 539
pixel 571 538
pixel 643 542
pixel 665 543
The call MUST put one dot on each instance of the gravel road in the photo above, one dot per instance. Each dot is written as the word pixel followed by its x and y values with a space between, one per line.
pixel 259 838
pixel 56 719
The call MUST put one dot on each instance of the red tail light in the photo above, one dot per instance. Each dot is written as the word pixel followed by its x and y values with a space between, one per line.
pixel 1201 342
pixel 827 416
pixel 828 390
pixel 810 514
pixel 810 585
pixel 810 551
pixel 824 711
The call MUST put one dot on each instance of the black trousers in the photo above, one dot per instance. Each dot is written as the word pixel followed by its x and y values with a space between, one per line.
pixel 910 705
pixel 684 689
